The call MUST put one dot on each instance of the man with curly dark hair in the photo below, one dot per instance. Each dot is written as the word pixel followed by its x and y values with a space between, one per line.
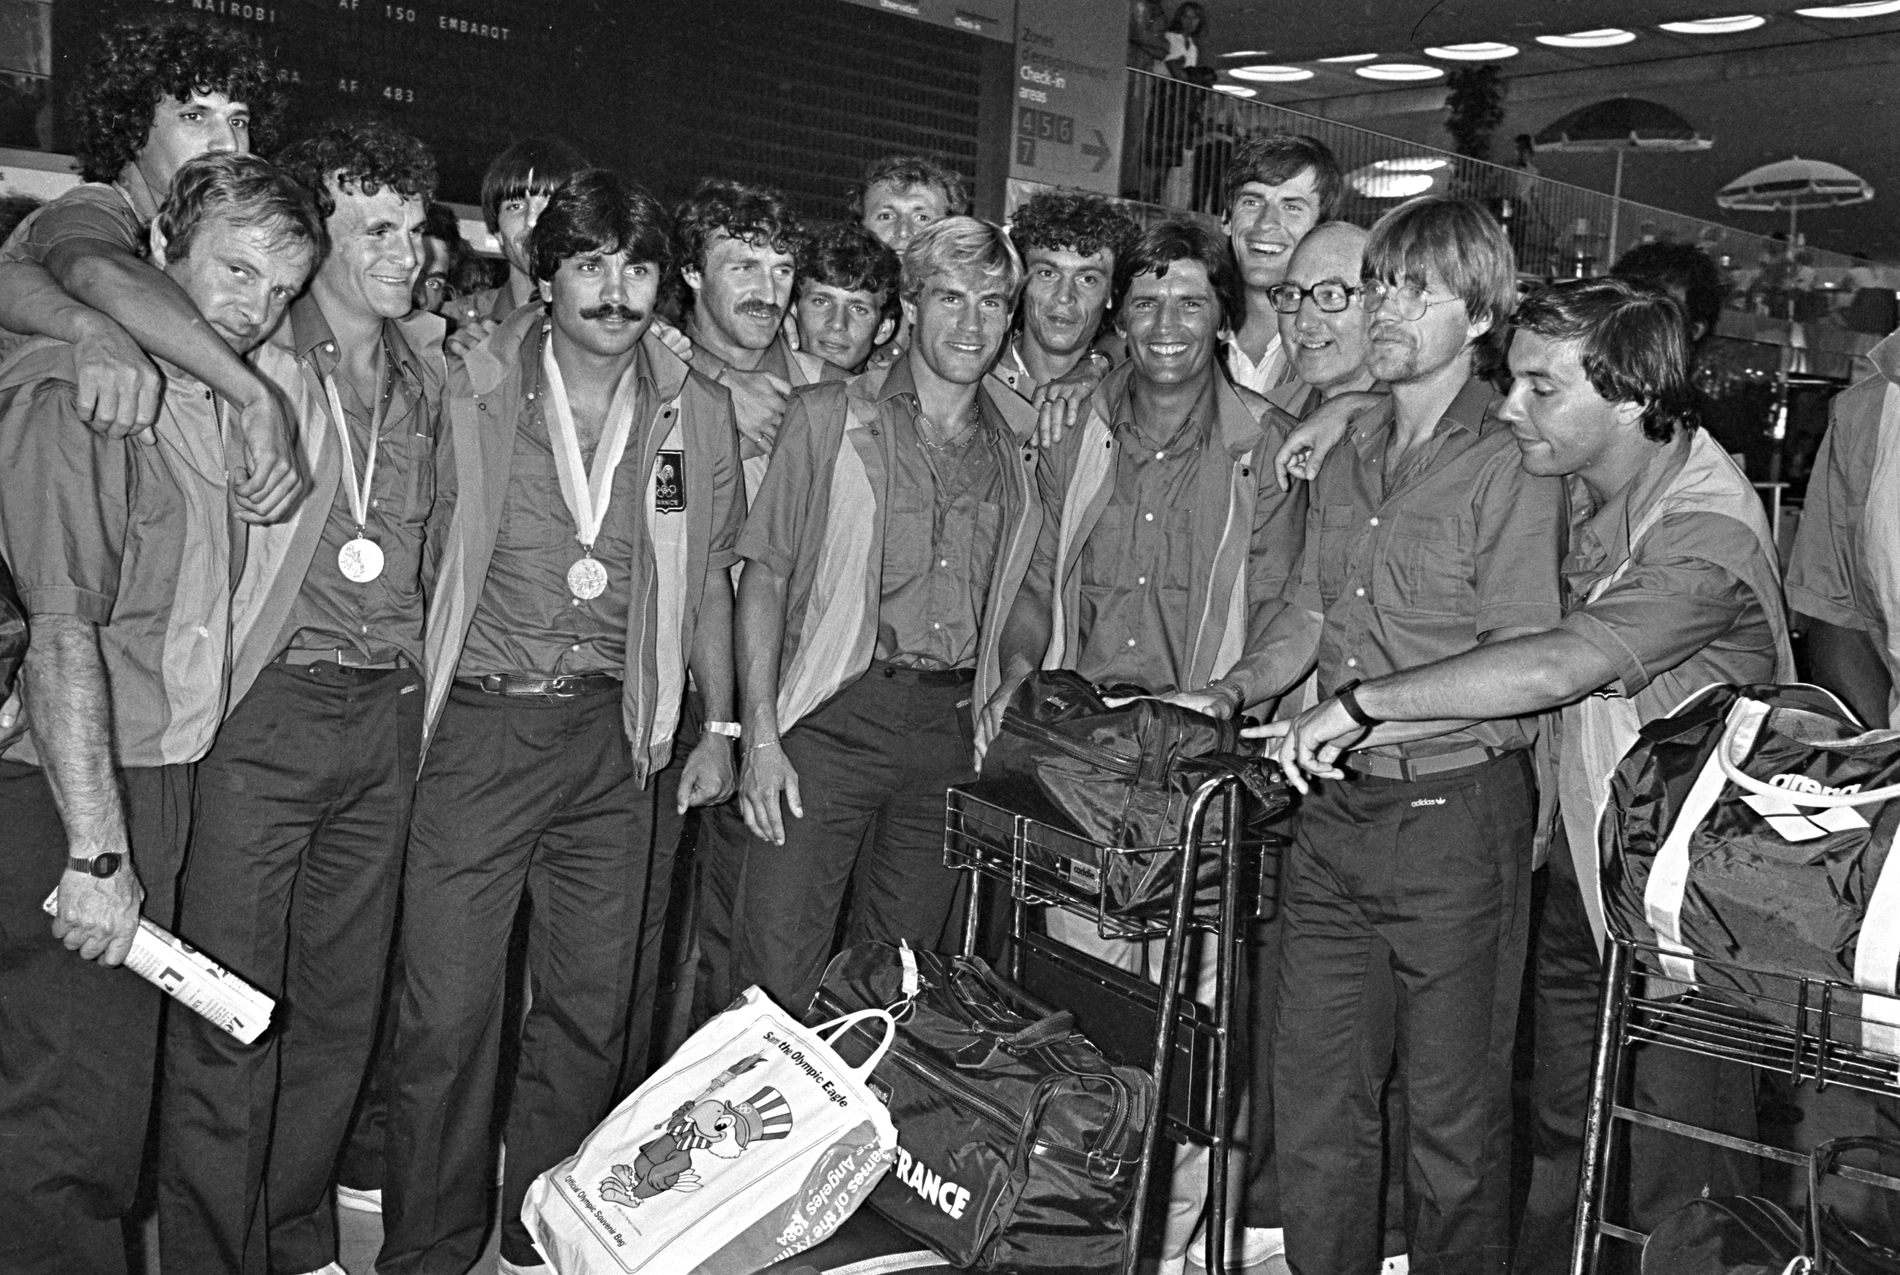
pixel 157 94
pixel 305 797
pixel 123 551
pixel 847 302
pixel 1071 243
pixel 514 191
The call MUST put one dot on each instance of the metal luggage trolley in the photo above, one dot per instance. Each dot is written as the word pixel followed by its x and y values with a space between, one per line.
pixel 1190 1051
pixel 1803 1027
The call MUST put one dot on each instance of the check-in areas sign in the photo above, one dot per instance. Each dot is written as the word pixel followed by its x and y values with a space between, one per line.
pixel 1068 96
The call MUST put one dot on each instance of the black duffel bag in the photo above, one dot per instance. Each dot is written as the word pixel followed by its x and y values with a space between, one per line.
pixel 1018 1144
pixel 1124 777
pixel 1747 1235
pixel 12 631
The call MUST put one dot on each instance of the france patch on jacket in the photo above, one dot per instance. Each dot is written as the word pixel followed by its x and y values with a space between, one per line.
pixel 754 1142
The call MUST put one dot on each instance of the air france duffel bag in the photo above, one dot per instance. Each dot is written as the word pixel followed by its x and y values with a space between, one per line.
pixel 1018 1144
pixel 1753 827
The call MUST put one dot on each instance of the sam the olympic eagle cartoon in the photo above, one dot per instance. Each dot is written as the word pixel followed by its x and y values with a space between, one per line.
pixel 721 1129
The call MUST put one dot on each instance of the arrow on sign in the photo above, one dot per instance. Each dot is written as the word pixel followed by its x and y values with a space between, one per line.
pixel 1096 150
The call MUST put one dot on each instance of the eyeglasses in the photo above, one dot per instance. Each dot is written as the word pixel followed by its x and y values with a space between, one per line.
pixel 1407 298
pixel 1330 295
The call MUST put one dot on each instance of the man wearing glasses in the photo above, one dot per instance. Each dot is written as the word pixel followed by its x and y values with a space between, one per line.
pixel 1324 326
pixel 1425 538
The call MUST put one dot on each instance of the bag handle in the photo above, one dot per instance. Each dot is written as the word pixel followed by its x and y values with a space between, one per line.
pixel 1739 736
pixel 1820 1160
pixel 830 1030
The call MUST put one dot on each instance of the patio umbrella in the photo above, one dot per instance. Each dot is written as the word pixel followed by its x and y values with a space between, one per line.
pixel 1620 125
pixel 1794 184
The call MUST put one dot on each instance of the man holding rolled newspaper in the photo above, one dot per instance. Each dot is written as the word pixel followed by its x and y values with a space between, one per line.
pixel 124 553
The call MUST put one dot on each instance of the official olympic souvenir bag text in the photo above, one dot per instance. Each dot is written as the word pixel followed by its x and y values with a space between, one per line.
pixel 751 1144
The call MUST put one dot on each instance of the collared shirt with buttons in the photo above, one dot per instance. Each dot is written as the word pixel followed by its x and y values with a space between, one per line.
pixel 940 533
pixel 1274 368
pixel 381 618
pixel 528 621
pixel 1405 573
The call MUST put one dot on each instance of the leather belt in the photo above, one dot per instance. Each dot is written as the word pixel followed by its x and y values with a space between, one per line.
pixel 566 686
pixel 1409 768
pixel 343 657
pixel 924 676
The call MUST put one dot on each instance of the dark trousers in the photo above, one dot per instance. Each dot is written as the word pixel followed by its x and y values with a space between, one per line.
pixel 670 829
pixel 884 749
pixel 77 1040
pixel 723 842
pixel 519 797
pixel 1664 1171
pixel 1431 878
pixel 296 855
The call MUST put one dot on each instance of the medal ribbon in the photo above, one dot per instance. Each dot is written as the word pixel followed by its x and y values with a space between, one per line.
pixel 358 495
pixel 586 495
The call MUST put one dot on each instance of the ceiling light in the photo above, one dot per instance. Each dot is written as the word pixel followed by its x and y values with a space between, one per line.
pixel 1272 74
pixel 1717 26
pixel 1236 90
pixel 1398 71
pixel 1601 39
pixel 1869 9
pixel 1474 52
pixel 1249 53
pixel 1352 57
pixel 1411 164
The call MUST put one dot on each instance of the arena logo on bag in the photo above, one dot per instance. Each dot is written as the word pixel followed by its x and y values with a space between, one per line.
pixel 938 1190
pixel 723 1130
pixel 1805 823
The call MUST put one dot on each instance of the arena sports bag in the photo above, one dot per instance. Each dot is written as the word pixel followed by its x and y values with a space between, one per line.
pixel 1018 1144
pixel 1754 826
pixel 1123 777
pixel 753 1142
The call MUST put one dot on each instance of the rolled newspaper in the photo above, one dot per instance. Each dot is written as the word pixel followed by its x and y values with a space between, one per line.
pixel 184 973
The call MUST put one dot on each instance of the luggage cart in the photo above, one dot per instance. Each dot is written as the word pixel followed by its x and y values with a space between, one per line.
pixel 1805 1028
pixel 1225 882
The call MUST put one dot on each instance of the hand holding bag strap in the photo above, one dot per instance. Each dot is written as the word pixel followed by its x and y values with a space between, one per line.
pixel 1820 1161
pixel 830 1030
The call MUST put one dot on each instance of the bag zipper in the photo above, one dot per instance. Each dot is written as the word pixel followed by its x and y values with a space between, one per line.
pixel 1108 759
pixel 998 1114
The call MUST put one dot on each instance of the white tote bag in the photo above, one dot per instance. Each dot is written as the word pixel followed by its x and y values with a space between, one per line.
pixel 753 1142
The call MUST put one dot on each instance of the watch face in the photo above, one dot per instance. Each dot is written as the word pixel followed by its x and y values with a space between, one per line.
pixel 104 865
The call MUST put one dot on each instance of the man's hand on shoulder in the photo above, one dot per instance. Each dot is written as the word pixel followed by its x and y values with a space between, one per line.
pixel 673 339
pixel 758 402
pixel 1307 446
pixel 468 336
pixel 1060 403
pixel 118 387
pixel 266 482
pixel 98 916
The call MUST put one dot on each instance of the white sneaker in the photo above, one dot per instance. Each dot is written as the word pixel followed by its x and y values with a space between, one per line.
pixel 1253 1247
pixel 1400 1265
pixel 507 1267
pixel 359 1200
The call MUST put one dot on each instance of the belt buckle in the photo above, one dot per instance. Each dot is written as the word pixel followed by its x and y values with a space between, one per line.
pixel 562 687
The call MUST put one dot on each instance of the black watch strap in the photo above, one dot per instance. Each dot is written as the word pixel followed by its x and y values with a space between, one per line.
pixel 1350 702
pixel 100 865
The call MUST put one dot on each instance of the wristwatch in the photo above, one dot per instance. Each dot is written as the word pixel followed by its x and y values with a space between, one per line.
pixel 731 730
pixel 100 865
pixel 1350 702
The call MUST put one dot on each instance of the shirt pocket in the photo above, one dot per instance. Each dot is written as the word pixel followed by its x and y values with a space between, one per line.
pixel 907 536
pixel 1338 525
pixel 1108 553
pixel 1426 567
pixel 981 537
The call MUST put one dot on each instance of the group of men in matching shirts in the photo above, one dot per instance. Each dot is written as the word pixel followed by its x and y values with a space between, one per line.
pixel 354 635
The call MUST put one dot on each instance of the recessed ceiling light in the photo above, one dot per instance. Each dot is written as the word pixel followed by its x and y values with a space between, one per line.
pixel 1869 9
pixel 1375 183
pixel 1717 26
pixel 1398 71
pixel 1271 74
pixel 1249 53
pixel 1352 57
pixel 1600 39
pixel 1411 164
pixel 1474 52
pixel 1236 90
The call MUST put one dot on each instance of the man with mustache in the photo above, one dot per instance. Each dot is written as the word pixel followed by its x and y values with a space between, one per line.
pixel 1165 542
pixel 1278 188
pixel 1070 243
pixel 1425 538
pixel 911 489
pixel 594 522
pixel 124 552
pixel 304 799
